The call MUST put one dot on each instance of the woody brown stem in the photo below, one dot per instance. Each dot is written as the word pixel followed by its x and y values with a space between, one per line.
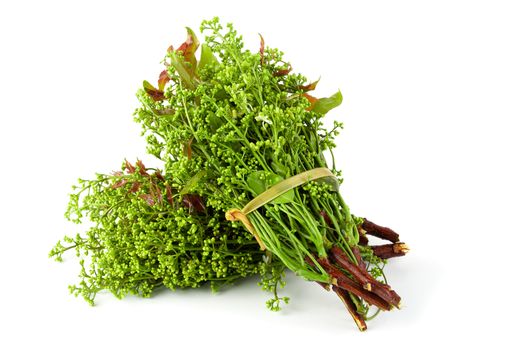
pixel 350 306
pixel 363 268
pixel 364 278
pixel 359 258
pixel 337 255
pixel 387 251
pixel 379 231
pixel 344 282
pixel 363 240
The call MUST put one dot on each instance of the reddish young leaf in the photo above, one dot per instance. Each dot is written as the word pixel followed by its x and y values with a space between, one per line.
pixel 186 46
pixel 169 194
pixel 155 93
pixel 187 148
pixel 184 60
pixel 261 49
pixel 148 198
pixel 163 79
pixel 282 72
pixel 142 168
pixel 134 187
pixel 119 183
pixel 311 99
pixel 310 86
pixel 129 167
pixel 194 203
pixel 155 192
pixel 187 49
pixel 159 175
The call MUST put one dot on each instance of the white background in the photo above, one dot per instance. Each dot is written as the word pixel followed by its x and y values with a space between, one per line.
pixel 433 147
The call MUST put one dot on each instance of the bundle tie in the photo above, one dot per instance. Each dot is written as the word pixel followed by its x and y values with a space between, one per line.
pixel 272 193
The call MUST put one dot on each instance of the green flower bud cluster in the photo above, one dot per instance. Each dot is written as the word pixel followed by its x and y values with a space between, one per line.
pixel 143 237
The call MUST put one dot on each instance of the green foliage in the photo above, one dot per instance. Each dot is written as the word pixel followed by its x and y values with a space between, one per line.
pixel 142 237
pixel 324 105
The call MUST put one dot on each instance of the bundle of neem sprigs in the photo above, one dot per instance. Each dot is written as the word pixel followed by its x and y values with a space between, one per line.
pixel 245 190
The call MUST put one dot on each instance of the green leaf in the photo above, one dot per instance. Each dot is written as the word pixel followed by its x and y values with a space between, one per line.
pixel 256 181
pixel 260 181
pixel 147 86
pixel 324 105
pixel 192 182
pixel 183 69
pixel 214 121
pixel 286 197
pixel 279 168
pixel 207 58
